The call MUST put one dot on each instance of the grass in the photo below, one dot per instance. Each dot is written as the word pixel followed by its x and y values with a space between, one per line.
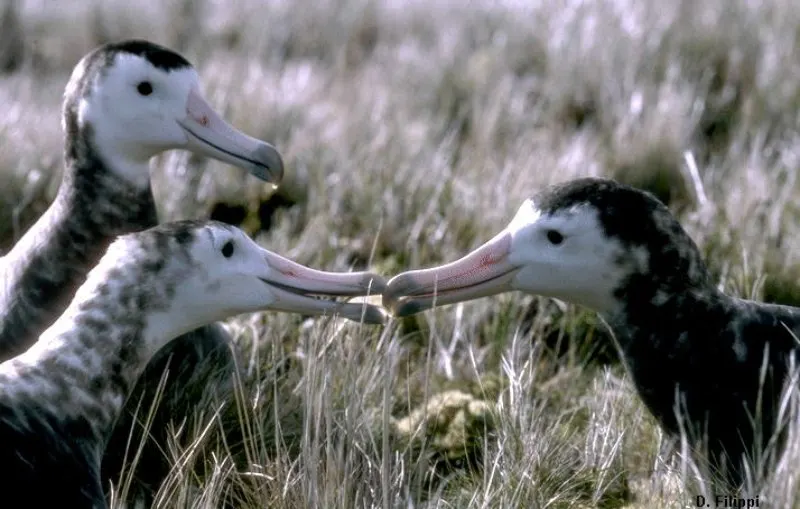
pixel 411 132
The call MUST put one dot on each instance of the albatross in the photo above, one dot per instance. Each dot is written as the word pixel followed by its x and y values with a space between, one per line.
pixel 60 399
pixel 705 363
pixel 124 103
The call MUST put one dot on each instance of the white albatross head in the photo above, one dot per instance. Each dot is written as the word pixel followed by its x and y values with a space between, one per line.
pixel 591 242
pixel 565 256
pixel 229 274
pixel 137 99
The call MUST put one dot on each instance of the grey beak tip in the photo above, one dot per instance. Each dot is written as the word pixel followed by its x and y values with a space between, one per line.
pixel 375 283
pixel 271 169
pixel 397 287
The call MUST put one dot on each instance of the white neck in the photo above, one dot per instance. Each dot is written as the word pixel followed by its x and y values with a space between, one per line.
pixel 135 170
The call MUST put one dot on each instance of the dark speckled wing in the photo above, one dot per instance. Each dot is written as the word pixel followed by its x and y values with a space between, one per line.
pixel 712 350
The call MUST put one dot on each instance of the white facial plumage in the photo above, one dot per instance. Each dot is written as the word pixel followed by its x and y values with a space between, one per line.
pixel 567 255
pixel 232 274
pixel 563 253
pixel 228 277
pixel 133 109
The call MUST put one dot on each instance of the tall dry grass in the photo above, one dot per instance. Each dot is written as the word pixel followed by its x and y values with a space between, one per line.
pixel 411 132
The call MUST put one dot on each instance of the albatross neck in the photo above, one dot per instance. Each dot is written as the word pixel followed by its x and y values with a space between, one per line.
pixel 43 270
pixel 82 368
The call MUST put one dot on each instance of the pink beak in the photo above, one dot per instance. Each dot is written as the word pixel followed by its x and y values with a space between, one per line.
pixel 295 286
pixel 211 136
pixel 485 271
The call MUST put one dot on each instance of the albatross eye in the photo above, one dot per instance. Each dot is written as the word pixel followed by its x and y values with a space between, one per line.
pixel 144 88
pixel 227 249
pixel 555 237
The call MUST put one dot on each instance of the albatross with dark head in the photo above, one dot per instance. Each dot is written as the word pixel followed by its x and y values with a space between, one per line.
pixel 125 103
pixel 61 398
pixel 695 354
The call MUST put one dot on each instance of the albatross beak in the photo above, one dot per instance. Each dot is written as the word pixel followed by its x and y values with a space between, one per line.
pixel 211 136
pixel 295 286
pixel 485 271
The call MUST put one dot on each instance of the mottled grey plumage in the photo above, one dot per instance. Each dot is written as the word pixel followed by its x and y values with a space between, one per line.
pixel 94 204
pixel 617 249
pixel 60 400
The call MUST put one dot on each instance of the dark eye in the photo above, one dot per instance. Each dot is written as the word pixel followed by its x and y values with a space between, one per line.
pixel 555 237
pixel 227 249
pixel 144 88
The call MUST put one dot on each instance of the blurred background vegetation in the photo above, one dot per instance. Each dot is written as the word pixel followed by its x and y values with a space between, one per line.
pixel 411 132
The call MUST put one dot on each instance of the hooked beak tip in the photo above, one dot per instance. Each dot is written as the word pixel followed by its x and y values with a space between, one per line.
pixel 374 283
pixel 270 164
pixel 397 287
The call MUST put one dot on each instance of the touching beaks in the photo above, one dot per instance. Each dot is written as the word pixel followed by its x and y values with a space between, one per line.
pixel 295 287
pixel 483 272
pixel 209 135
